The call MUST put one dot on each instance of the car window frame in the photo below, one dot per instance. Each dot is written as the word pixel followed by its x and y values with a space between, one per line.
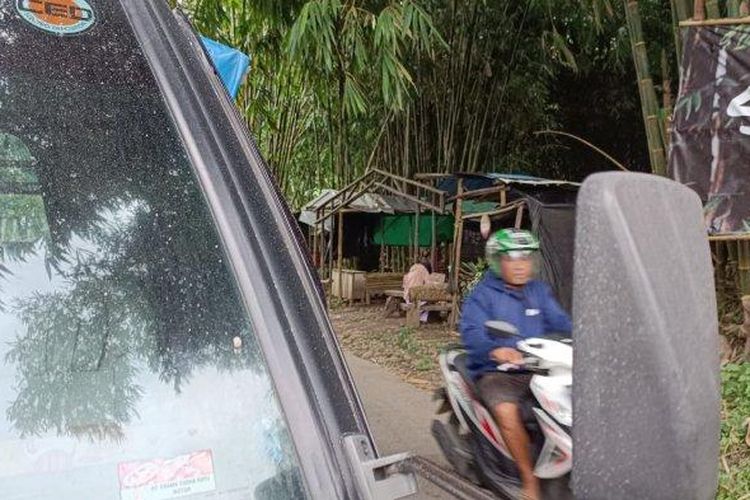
pixel 276 282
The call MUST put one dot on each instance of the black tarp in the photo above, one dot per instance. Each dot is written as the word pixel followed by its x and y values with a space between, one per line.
pixel 555 225
pixel 550 215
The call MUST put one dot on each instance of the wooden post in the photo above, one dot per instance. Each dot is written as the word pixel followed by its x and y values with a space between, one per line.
pixel 340 247
pixel 699 10
pixel 745 328
pixel 315 252
pixel 720 262
pixel 458 237
pixel 519 217
pixel 416 236
pixel 433 243
pixel 743 266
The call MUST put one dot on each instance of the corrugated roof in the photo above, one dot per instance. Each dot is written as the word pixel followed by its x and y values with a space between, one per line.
pixel 520 179
pixel 372 203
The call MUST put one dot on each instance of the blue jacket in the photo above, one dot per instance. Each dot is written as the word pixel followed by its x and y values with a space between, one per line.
pixel 532 309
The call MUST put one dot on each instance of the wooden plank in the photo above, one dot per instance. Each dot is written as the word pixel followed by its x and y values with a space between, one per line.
pixel 729 237
pixel 458 240
pixel 410 182
pixel 346 188
pixel 715 22
pixel 431 176
pixel 315 254
pixel 494 213
pixel 519 217
pixel 343 205
pixel 478 192
pixel 436 307
pixel 416 235
pixel 341 246
pixel 433 243
pixel 409 197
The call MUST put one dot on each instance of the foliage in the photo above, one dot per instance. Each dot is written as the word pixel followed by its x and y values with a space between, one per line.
pixel 430 85
pixel 471 274
pixel 734 480
pixel 406 340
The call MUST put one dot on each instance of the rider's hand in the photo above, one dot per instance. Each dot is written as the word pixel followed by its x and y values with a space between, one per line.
pixel 507 355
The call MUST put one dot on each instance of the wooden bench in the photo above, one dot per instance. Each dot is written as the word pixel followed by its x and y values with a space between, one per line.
pixel 414 311
pixel 394 299
pixel 380 283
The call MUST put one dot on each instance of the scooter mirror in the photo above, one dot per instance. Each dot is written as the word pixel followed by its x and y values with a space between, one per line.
pixel 646 386
pixel 502 329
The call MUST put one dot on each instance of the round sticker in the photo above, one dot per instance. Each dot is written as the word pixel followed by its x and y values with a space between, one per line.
pixel 61 17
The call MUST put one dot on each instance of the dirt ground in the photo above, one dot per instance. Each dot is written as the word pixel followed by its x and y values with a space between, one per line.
pixel 412 354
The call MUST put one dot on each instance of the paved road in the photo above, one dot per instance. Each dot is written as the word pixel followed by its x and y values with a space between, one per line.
pixel 399 415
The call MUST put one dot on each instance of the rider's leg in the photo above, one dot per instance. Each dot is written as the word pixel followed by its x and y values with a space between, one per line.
pixel 508 417
pixel 503 393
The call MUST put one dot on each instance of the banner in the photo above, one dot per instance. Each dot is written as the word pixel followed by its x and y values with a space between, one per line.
pixel 710 141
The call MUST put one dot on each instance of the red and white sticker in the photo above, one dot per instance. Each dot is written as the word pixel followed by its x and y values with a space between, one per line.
pixel 163 479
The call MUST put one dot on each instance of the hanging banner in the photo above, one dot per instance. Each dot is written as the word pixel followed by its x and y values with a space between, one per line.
pixel 710 142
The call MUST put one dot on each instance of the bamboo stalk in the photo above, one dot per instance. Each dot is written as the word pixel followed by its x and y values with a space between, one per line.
pixel 681 11
pixel 712 9
pixel 719 22
pixel 729 237
pixel 699 10
pixel 649 103
pixel 733 8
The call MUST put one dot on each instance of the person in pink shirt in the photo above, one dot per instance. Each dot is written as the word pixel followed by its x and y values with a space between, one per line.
pixel 417 276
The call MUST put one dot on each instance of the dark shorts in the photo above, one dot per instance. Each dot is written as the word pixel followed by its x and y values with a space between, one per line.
pixel 499 387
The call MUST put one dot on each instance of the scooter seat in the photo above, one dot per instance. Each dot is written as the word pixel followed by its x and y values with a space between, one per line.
pixel 526 406
pixel 460 364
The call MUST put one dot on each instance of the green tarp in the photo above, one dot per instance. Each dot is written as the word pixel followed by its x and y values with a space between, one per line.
pixel 398 230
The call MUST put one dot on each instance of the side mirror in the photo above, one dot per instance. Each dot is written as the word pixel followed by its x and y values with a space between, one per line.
pixel 502 329
pixel 646 390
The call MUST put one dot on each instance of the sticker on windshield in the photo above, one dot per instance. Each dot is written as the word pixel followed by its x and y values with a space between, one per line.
pixel 164 479
pixel 61 17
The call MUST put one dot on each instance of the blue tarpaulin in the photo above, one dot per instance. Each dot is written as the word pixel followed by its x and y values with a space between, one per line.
pixel 231 64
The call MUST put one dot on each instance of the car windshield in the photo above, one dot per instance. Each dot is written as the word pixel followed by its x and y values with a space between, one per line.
pixel 128 365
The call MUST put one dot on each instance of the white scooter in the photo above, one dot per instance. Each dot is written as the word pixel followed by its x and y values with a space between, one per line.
pixel 469 436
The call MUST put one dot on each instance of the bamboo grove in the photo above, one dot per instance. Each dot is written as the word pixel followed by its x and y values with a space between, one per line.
pixel 410 86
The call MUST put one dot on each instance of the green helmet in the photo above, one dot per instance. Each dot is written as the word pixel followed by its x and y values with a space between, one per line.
pixel 509 241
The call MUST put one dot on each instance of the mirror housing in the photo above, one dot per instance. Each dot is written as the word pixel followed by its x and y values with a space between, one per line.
pixel 646 391
pixel 502 329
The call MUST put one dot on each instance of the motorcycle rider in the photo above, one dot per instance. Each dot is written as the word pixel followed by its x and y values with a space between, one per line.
pixel 508 292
